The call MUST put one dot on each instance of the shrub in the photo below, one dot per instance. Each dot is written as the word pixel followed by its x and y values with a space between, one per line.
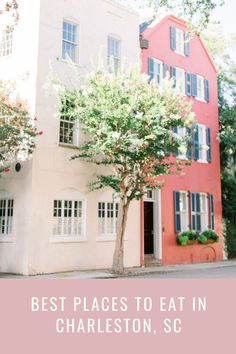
pixel 210 235
pixel 202 239
pixel 182 240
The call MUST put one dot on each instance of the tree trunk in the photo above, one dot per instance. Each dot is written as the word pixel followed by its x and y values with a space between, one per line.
pixel 118 257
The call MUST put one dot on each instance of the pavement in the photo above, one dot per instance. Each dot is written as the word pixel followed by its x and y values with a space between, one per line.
pixel 129 272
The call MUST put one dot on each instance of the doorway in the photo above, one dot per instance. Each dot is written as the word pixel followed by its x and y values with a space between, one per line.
pixel 152 226
pixel 148 228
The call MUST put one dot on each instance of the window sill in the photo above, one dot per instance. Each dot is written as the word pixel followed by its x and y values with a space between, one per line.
pixel 108 238
pixel 6 239
pixel 202 161
pixel 72 63
pixel 180 53
pixel 67 239
pixel 200 99
pixel 68 146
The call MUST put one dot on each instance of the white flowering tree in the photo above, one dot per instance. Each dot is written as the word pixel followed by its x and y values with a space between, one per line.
pixel 128 123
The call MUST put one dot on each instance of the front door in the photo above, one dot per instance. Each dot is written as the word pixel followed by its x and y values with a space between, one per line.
pixel 148 228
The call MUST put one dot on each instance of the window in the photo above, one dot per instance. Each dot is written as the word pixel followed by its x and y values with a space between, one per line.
pixel 69 40
pixel 178 76
pixel 179 41
pixel 113 53
pixel 202 143
pixel 69 126
pixel 181 211
pixel 182 152
pixel 6 43
pixel 199 212
pixel 6 216
pixel 200 88
pixel 204 211
pixel 107 219
pixel 155 70
pixel 68 218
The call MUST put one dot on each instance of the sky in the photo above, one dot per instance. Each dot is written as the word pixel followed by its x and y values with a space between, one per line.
pixel 226 15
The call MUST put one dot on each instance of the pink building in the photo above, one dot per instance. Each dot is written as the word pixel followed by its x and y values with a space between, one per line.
pixel 192 199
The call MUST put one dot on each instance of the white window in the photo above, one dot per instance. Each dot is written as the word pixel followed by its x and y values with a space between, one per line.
pixel 149 195
pixel 6 43
pixel 68 218
pixel 69 40
pixel 184 213
pixel 107 219
pixel 200 88
pixel 203 147
pixel 6 216
pixel 179 41
pixel 204 211
pixel 113 53
pixel 182 151
pixel 69 126
pixel 180 80
pixel 157 71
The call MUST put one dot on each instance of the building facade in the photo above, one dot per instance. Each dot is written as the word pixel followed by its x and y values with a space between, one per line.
pixel 49 221
pixel 57 224
pixel 190 200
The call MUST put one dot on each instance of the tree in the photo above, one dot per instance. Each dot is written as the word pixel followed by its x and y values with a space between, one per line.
pixel 197 12
pixel 128 124
pixel 17 131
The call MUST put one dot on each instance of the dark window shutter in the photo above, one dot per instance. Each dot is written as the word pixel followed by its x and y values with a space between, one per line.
pixel 208 140
pixel 194 85
pixel 189 143
pixel 207 91
pixel 151 68
pixel 193 211
pixel 196 142
pixel 173 75
pixel 211 209
pixel 165 69
pixel 198 212
pixel 186 43
pixel 177 211
pixel 188 84
pixel 173 38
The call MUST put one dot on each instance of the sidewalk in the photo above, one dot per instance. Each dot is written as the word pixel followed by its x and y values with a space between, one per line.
pixel 134 272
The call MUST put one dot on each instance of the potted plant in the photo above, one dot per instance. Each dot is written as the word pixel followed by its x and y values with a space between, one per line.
pixel 211 236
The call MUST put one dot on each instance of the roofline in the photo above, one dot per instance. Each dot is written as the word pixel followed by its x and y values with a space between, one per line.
pixel 122 7
pixel 184 23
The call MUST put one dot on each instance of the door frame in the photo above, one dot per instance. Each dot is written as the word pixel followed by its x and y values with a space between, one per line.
pixel 155 198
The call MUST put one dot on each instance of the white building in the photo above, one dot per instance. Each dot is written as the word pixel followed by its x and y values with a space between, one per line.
pixel 57 224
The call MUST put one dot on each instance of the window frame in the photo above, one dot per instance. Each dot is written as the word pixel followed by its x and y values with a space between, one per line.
pixel 73 130
pixel 179 38
pixel 6 43
pixel 111 56
pixel 107 236
pixel 200 96
pixel 204 214
pixel 202 141
pixel 72 43
pixel 184 214
pixel 69 237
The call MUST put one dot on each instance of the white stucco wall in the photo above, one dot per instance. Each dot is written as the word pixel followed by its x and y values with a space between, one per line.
pixel 52 171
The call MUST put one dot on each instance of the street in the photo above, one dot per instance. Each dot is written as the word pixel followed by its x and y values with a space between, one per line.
pixel 224 272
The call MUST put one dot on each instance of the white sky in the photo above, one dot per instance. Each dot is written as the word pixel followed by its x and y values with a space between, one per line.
pixel 226 15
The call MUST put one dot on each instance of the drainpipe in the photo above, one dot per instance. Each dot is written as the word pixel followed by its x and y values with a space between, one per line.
pixel 141 233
